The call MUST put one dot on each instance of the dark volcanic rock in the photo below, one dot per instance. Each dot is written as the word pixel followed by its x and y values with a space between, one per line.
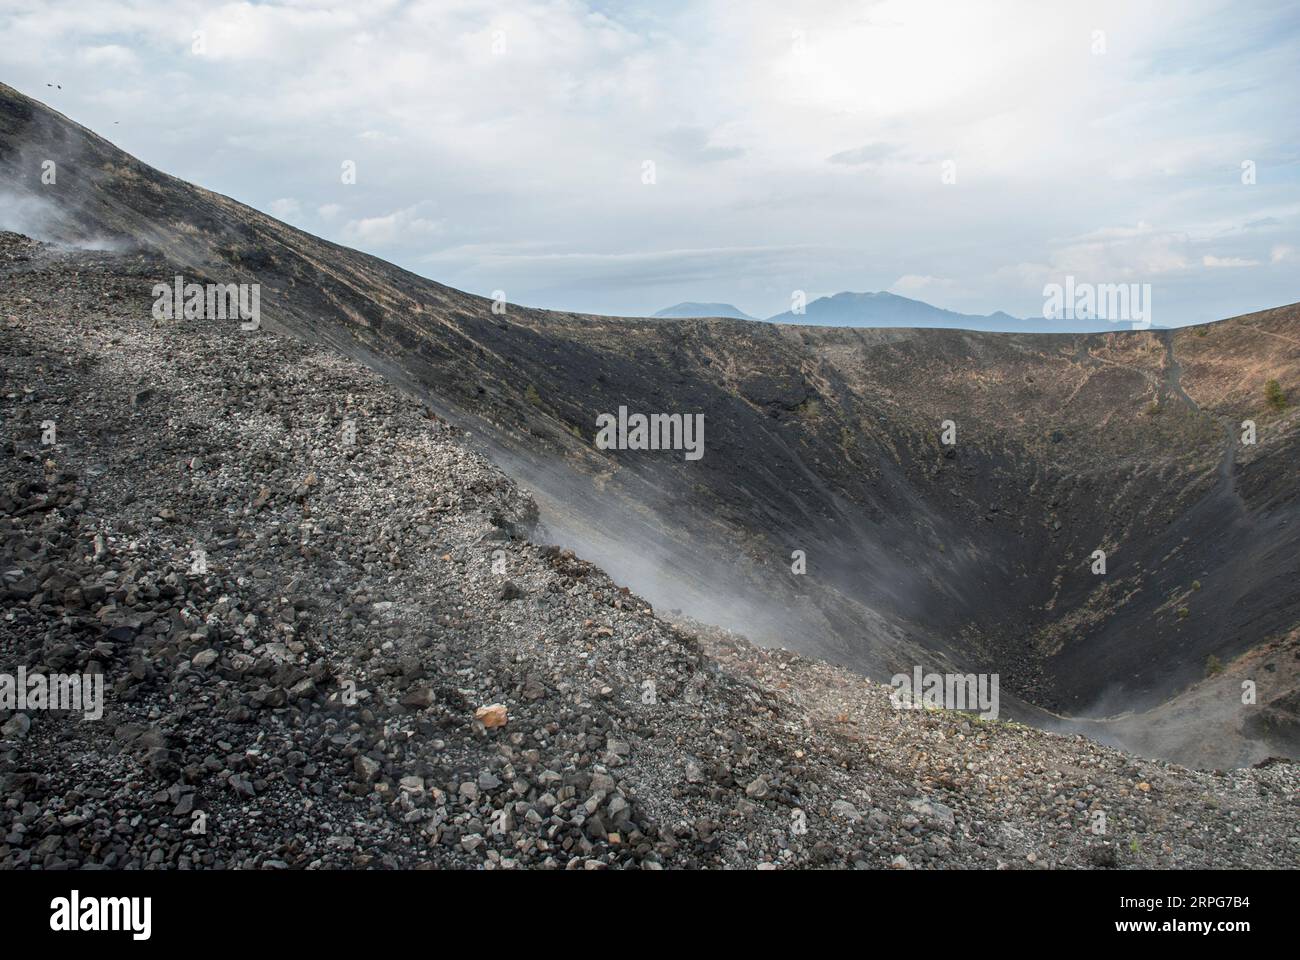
pixel 306 692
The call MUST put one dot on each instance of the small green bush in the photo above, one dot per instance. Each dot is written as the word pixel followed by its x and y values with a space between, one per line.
pixel 1274 395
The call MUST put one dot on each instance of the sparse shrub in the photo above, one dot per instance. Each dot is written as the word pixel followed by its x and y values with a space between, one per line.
pixel 1196 584
pixel 1183 612
pixel 811 407
pixel 532 396
pixel 1274 395
pixel 1213 666
pixel 1154 408
pixel 1201 331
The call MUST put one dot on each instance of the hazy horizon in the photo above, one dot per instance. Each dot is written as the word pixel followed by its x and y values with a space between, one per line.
pixel 961 157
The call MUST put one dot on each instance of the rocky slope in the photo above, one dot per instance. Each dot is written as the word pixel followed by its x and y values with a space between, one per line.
pixel 298 628
pixel 972 557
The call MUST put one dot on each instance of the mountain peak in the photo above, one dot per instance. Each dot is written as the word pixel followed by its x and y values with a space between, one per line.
pixel 689 309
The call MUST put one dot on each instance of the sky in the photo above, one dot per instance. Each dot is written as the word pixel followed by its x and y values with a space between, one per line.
pixel 621 157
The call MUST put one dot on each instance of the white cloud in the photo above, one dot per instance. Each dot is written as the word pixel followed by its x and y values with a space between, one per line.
pixel 870 154
pixel 108 57
pixel 286 208
pixel 1210 260
pixel 820 126
pixel 385 231
pixel 913 285
pixel 1115 253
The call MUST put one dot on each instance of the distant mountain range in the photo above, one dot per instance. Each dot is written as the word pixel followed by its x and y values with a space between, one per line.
pixel 890 310
pixel 689 309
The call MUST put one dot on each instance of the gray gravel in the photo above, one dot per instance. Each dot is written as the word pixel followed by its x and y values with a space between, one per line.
pixel 345 655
